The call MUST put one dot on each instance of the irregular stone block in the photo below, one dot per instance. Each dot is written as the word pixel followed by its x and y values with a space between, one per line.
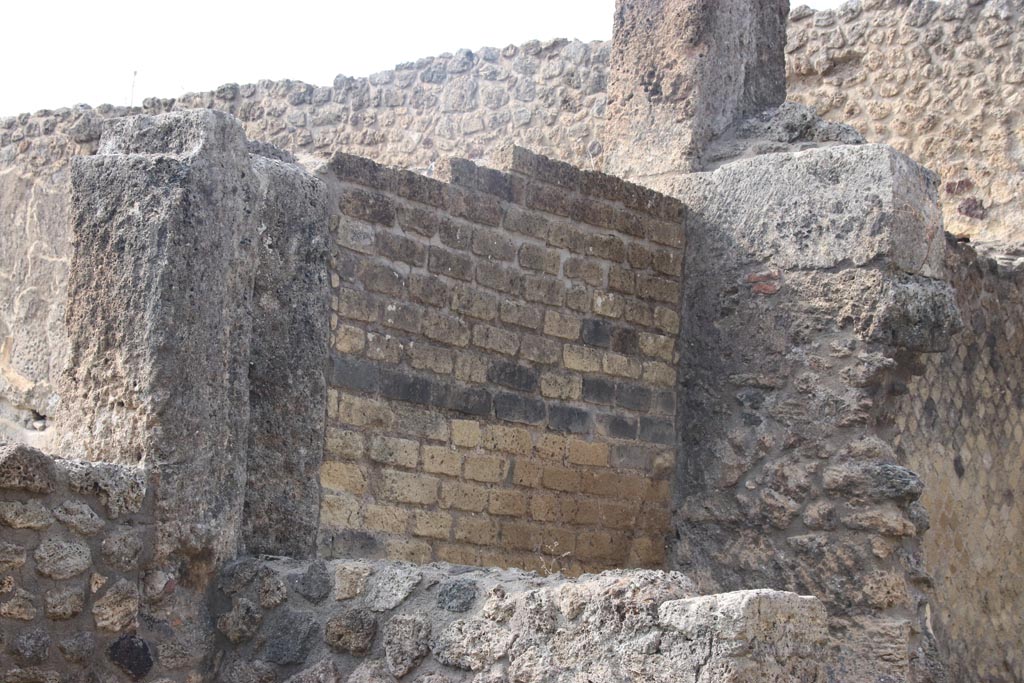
pixel 456 595
pixel 754 635
pixel 289 636
pixel 324 671
pixel 121 489
pixel 64 603
pixel 684 71
pixel 406 643
pixel 351 630
pixel 59 559
pixel 31 647
pixel 242 622
pixel 132 655
pixel 314 584
pixel 30 515
pixel 121 549
pixel 118 608
pixel 25 469
pixel 78 517
pixel 390 586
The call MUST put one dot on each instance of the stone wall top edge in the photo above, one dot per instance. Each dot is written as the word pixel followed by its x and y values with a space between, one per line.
pixel 514 163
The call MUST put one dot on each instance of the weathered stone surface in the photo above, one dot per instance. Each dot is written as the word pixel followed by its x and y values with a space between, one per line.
pixel 59 559
pixel 118 608
pixel 178 398
pixel 390 586
pixel 290 322
pixel 121 549
pixel 350 580
pixel 406 642
pixel 31 647
pixel 79 647
pixel 78 517
pixel 64 603
pixel 351 630
pixel 682 72
pixel 25 469
pixel 314 584
pixel 324 671
pixel 12 556
pixel 242 622
pixel 121 489
pixel 456 595
pixel 290 635
pixel 30 515
pixel 20 605
pixel 132 655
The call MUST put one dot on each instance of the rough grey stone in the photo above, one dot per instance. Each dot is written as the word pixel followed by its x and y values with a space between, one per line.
pixel 315 583
pixel 324 671
pixel 272 590
pixel 121 489
pixel 179 399
pixel 31 647
pixel 121 549
pixel 351 630
pixel 118 608
pixel 472 644
pixel 290 321
pixel 25 469
pixel 64 602
pixel 456 595
pixel 79 647
pixel 350 580
pixel 682 72
pixel 30 515
pixel 389 587
pixel 242 622
pixel 78 517
pixel 406 642
pixel 59 559
pixel 289 636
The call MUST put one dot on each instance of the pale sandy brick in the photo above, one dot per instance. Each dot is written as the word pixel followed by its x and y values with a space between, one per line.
pixel 465 433
pixel 343 476
pixel 485 468
pixel 588 453
pixel 442 460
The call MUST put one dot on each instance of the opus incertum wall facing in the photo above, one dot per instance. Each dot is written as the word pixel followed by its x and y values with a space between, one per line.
pixel 502 384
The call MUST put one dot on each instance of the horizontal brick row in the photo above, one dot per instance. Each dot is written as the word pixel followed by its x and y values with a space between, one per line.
pixel 373 378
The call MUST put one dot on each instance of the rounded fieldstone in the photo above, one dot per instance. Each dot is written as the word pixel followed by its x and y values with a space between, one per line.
pixel 31 647
pixel 59 559
pixel 390 586
pixel 351 630
pixel 25 469
pixel 456 595
pixel 118 608
pixel 132 655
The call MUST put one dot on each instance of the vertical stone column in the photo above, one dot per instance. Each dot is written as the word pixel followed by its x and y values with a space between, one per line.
pixel 159 320
pixel 682 72
pixel 815 282
pixel 291 322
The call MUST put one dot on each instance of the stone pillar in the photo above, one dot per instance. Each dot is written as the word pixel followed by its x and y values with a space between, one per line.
pixel 683 72
pixel 287 389
pixel 815 281
pixel 159 318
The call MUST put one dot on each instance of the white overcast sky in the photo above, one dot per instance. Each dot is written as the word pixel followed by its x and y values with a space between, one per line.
pixel 62 53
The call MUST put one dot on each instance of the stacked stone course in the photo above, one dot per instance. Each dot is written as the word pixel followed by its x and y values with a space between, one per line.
pixel 502 385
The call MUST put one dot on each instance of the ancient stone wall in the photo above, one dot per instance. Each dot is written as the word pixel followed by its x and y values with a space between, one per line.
pixel 960 426
pixel 503 366
pixel 366 622
pixel 812 280
pixel 74 538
